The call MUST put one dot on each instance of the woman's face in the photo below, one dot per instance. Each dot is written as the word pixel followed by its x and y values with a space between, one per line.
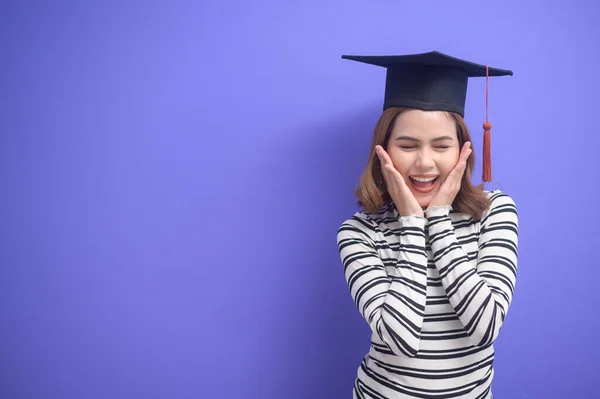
pixel 424 148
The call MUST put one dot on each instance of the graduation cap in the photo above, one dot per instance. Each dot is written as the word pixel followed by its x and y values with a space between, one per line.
pixel 433 81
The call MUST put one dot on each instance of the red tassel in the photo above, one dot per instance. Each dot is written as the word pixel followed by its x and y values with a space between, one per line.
pixel 487 152
pixel 487 139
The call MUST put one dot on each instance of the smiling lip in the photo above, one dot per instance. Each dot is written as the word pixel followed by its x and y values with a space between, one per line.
pixel 423 187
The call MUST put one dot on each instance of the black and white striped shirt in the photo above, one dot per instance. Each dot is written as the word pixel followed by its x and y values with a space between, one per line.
pixel 435 291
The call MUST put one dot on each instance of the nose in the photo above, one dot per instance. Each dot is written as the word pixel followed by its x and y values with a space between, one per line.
pixel 425 160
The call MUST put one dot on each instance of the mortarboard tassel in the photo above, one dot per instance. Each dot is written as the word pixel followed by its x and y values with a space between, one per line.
pixel 487 144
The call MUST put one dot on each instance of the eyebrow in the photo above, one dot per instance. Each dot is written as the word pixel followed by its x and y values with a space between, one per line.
pixel 441 138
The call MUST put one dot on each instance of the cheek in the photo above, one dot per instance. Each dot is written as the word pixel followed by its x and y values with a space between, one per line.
pixel 447 161
pixel 401 162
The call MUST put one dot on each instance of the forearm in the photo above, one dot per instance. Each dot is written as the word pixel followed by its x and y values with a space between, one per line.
pixel 479 290
pixel 400 318
pixel 393 305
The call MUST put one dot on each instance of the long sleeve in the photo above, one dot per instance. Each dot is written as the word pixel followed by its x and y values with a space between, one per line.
pixel 480 290
pixel 392 304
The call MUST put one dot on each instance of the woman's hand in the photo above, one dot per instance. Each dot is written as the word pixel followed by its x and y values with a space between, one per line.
pixel 447 192
pixel 405 201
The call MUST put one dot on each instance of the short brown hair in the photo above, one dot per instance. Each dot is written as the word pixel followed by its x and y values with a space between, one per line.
pixel 372 193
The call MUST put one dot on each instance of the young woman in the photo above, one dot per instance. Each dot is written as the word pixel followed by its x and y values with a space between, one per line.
pixel 431 260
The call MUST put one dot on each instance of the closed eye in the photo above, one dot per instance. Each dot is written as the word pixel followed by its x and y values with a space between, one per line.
pixel 438 147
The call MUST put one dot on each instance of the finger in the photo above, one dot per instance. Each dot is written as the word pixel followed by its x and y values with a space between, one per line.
pixel 397 176
pixel 466 151
pixel 386 173
pixel 459 169
pixel 464 156
pixel 392 171
pixel 456 174
pixel 384 155
pixel 385 159
pixel 382 162
pixel 380 155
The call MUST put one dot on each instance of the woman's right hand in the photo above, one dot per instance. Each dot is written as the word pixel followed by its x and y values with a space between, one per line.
pixel 404 199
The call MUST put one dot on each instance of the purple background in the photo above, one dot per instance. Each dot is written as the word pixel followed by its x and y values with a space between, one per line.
pixel 174 172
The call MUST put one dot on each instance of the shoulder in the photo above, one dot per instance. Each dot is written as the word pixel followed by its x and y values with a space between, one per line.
pixel 499 196
pixel 365 225
pixel 501 204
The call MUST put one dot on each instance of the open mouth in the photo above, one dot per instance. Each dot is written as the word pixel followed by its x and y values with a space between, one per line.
pixel 423 184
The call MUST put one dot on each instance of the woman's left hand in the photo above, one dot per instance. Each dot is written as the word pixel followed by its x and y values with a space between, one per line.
pixel 451 186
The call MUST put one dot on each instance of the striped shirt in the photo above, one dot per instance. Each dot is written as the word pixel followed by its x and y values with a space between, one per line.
pixel 435 291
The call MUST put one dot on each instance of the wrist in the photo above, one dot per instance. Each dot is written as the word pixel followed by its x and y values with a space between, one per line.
pixel 438 210
pixel 413 221
pixel 411 213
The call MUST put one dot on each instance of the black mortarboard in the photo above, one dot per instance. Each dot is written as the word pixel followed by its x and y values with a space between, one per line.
pixel 428 81
pixel 432 81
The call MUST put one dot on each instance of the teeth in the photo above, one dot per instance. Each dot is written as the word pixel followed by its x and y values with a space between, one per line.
pixel 423 179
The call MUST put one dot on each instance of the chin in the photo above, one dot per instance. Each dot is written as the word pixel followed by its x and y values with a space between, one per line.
pixel 424 204
pixel 424 199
